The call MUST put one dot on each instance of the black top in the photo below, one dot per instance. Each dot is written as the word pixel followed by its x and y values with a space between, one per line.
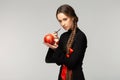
pixel 74 62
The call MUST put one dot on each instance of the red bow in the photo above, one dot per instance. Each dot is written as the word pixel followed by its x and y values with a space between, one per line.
pixel 64 68
pixel 70 52
pixel 63 73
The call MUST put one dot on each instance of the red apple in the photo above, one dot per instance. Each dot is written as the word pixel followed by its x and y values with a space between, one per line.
pixel 49 38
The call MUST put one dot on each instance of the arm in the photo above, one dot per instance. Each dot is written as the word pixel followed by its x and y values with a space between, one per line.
pixel 79 47
pixel 48 58
pixel 52 55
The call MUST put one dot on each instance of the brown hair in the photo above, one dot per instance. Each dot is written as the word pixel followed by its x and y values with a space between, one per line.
pixel 69 11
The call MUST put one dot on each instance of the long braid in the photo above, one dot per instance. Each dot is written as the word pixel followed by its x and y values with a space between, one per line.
pixel 69 44
pixel 69 11
pixel 71 38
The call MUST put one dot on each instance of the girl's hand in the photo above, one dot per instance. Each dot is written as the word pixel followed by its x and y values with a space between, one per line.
pixel 51 46
pixel 56 39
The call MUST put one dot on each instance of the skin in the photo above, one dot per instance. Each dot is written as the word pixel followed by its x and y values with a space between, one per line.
pixel 66 23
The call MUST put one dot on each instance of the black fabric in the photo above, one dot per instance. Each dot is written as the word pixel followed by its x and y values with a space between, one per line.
pixel 74 62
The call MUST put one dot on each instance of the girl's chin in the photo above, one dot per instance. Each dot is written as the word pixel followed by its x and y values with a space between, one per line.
pixel 66 29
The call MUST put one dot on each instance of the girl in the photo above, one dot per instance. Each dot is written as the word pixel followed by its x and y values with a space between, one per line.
pixel 70 50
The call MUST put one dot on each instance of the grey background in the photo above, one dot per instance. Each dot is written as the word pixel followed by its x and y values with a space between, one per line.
pixel 23 24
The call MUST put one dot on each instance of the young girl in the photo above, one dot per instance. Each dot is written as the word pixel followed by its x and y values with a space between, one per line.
pixel 70 50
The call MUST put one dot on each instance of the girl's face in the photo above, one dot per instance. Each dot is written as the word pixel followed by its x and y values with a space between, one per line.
pixel 65 21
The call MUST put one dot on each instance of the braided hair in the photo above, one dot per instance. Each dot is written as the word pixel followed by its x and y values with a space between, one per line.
pixel 69 11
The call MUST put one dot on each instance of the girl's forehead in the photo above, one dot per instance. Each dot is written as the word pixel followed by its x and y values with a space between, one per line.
pixel 62 15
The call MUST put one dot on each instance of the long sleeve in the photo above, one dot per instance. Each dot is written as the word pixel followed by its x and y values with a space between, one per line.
pixel 79 47
pixel 52 55
pixel 59 55
pixel 74 62
pixel 49 55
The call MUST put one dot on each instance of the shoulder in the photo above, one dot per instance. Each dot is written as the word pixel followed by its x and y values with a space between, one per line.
pixel 80 37
pixel 80 33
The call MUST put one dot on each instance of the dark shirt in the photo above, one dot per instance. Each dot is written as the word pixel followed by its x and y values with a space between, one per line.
pixel 74 62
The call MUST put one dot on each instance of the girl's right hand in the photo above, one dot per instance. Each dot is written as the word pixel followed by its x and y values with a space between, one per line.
pixel 51 46
pixel 56 39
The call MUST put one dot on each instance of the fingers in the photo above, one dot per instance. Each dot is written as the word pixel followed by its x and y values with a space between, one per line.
pixel 56 38
pixel 51 46
pixel 55 35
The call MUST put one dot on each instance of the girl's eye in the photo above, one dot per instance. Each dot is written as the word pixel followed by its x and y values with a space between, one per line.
pixel 59 21
pixel 64 19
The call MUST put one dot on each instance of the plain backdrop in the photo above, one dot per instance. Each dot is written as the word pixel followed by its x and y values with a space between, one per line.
pixel 23 24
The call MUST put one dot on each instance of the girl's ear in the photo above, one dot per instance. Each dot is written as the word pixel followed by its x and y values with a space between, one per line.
pixel 73 19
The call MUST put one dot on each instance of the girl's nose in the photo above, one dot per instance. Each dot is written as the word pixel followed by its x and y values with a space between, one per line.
pixel 63 24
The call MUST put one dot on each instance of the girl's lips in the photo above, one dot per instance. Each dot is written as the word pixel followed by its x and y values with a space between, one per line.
pixel 65 27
